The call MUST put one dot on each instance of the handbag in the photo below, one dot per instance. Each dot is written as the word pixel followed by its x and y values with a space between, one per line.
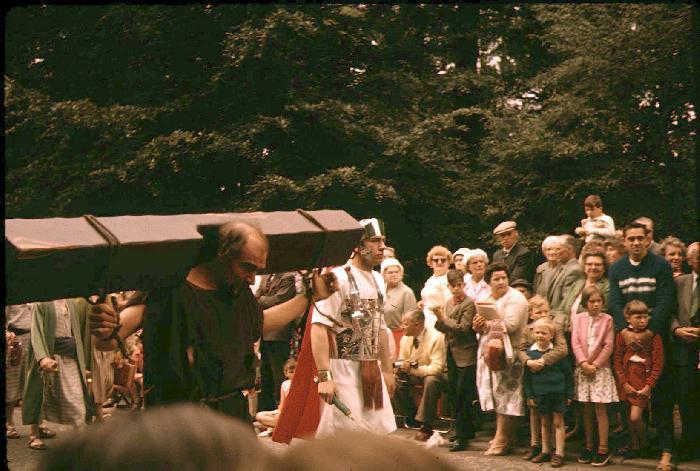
pixel 498 352
pixel 495 354
pixel 14 353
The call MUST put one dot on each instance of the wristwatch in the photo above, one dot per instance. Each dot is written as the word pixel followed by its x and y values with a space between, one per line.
pixel 300 284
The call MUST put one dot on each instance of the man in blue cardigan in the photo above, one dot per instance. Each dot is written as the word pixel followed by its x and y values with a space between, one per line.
pixel 642 275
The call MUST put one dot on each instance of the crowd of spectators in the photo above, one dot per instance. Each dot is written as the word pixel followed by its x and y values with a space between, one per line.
pixel 548 351
pixel 606 320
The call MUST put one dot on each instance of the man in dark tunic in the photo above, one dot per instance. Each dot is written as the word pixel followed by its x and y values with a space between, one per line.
pixel 199 335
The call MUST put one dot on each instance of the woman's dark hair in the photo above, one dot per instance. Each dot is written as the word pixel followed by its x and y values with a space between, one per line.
pixel 595 252
pixel 494 267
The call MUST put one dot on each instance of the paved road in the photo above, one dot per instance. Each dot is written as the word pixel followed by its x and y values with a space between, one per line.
pixel 21 458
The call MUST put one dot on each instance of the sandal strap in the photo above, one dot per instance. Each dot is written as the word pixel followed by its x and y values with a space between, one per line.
pixel 34 438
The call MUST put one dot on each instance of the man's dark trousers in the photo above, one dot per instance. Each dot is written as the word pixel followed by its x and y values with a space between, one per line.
pixel 461 387
pixel 432 389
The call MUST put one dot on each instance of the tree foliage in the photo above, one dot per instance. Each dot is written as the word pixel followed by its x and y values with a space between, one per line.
pixel 441 119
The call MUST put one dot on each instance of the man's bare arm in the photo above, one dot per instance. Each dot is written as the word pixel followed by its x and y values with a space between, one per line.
pixel 276 317
pixel 103 320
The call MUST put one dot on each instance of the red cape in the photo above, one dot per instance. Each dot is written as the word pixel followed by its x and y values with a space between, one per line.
pixel 302 409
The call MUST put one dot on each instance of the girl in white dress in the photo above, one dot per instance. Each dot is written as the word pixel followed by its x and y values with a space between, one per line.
pixel 592 340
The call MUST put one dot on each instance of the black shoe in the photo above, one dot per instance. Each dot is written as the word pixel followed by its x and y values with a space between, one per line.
pixel 542 458
pixel 586 456
pixel 412 423
pixel 459 445
pixel 627 452
pixel 534 451
pixel 601 459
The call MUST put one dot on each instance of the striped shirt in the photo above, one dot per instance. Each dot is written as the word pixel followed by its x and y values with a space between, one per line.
pixel 650 281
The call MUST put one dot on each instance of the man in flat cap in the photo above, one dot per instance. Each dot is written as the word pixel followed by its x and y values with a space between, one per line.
pixel 516 256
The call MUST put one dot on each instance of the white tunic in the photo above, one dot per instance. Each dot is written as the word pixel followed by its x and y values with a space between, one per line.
pixel 346 372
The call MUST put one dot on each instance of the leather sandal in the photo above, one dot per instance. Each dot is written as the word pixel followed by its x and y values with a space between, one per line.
pixel 498 449
pixel 11 432
pixel 36 443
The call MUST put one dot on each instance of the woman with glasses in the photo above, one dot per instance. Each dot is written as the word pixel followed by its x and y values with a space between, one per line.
pixel 435 292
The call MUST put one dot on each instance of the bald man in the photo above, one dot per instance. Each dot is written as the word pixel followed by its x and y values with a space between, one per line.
pixel 199 335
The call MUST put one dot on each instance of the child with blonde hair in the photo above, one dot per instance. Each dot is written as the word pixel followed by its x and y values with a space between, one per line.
pixel 539 309
pixel 548 392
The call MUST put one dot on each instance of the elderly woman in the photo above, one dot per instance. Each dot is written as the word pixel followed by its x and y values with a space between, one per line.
pixel 502 391
pixel 547 271
pixel 594 269
pixel 673 250
pixel 458 259
pixel 435 292
pixel 474 284
pixel 399 297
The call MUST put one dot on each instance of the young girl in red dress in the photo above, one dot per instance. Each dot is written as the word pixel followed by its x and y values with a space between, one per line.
pixel 638 360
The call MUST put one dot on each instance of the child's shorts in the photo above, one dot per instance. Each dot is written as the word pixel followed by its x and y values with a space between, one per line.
pixel 548 403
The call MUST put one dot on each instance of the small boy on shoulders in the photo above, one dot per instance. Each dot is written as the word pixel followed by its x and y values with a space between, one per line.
pixel 596 224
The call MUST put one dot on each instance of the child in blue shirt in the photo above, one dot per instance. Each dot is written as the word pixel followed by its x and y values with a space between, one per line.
pixel 549 391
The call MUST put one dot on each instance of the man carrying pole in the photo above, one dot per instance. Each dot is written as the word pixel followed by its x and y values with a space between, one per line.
pixel 199 335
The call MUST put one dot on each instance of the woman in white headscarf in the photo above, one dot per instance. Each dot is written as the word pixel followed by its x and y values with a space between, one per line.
pixel 458 259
